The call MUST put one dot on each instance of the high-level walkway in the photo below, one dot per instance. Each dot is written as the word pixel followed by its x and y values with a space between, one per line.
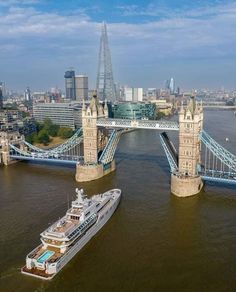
pixel 138 124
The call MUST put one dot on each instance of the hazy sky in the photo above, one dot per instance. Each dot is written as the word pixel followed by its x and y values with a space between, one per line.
pixel 150 41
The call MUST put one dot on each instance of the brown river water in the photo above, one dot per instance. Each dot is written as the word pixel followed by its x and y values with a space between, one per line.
pixel 153 242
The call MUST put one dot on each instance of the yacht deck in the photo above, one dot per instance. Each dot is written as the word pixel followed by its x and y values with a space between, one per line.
pixel 57 254
pixel 64 227
pixel 36 272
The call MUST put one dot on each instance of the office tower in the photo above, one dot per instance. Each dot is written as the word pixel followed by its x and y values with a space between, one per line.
pixel 172 85
pixel 1 99
pixel 137 94
pixel 81 87
pixel 3 88
pixel 128 94
pixel 133 94
pixel 105 82
pixel 70 84
pixel 27 94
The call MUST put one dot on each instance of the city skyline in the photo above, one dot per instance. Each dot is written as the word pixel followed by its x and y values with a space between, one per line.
pixel 150 43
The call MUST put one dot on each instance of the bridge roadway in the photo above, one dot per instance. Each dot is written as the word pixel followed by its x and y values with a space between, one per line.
pixel 225 107
pixel 218 176
pixel 138 124
pixel 63 159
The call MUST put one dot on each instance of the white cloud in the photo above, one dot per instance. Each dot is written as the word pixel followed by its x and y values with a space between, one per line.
pixel 17 2
pixel 149 10
pixel 180 31
pixel 203 33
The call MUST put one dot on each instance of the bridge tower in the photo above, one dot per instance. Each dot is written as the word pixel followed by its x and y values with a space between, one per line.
pixel 186 182
pixel 95 140
pixel 7 138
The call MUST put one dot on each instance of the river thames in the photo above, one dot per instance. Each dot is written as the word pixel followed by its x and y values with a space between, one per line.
pixel 153 242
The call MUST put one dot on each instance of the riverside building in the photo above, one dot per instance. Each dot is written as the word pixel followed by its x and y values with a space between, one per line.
pixel 61 114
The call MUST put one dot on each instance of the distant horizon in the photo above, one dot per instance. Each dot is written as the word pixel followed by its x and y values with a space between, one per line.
pixel 192 42
pixel 185 90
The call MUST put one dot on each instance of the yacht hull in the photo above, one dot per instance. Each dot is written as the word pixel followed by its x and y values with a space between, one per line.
pixel 53 269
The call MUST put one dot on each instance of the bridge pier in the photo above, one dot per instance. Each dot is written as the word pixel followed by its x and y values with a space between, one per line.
pixel 185 186
pixel 85 173
pixel 187 182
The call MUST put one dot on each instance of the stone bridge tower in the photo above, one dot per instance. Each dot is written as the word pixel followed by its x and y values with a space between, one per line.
pixel 7 138
pixel 186 182
pixel 95 140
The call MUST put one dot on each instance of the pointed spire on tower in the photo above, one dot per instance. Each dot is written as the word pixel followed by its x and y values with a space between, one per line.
pixel 105 106
pixel 105 82
pixel 106 109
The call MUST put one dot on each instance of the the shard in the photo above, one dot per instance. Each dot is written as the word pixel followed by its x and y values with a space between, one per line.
pixel 105 82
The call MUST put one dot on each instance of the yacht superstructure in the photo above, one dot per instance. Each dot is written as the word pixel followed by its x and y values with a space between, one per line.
pixel 64 238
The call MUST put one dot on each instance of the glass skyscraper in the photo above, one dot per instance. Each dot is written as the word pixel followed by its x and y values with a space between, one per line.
pixel 70 84
pixel 135 110
pixel 1 99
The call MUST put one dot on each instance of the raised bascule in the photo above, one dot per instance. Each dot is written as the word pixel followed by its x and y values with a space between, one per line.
pixel 92 148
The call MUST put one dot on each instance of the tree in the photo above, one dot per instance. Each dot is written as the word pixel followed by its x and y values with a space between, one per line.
pixel 65 132
pixel 32 138
pixel 53 130
pixel 25 114
pixel 29 139
pixel 39 126
pixel 47 124
pixel 43 137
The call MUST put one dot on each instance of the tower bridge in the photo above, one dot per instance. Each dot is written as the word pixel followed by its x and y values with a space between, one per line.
pixel 92 148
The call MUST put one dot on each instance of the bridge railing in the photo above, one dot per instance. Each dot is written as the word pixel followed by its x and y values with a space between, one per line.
pixel 219 152
pixel 109 150
pixel 170 152
pixel 69 151
pixel 138 124
pixel 76 139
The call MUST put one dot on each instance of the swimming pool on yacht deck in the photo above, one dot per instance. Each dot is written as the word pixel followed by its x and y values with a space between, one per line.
pixel 45 256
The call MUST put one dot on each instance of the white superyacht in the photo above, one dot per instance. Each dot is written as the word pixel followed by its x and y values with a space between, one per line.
pixel 64 238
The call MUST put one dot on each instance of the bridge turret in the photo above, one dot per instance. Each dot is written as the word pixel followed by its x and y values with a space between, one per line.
pixel 94 140
pixel 89 124
pixel 6 140
pixel 106 109
pixel 187 182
